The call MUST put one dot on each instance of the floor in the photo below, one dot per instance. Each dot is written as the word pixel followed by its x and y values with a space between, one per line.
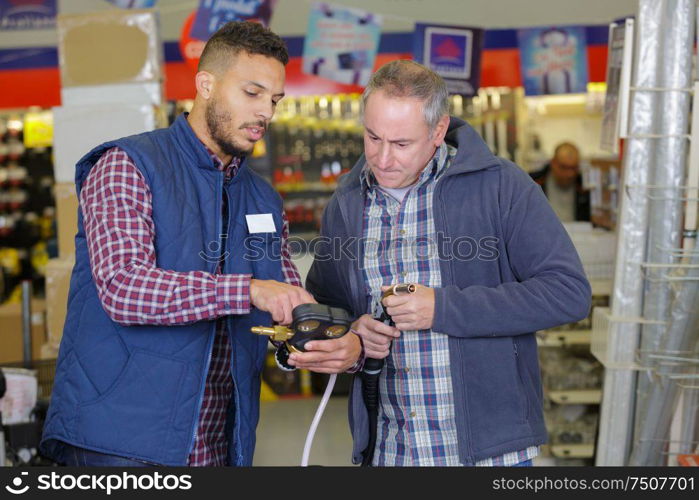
pixel 284 424
pixel 283 427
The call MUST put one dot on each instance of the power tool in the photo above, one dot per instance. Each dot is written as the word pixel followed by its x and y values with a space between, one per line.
pixel 372 371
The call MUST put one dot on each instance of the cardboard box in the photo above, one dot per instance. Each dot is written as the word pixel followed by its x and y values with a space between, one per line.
pixel 58 272
pixel 11 343
pixel 119 93
pixel 66 218
pixel 49 350
pixel 114 46
pixel 20 399
pixel 78 129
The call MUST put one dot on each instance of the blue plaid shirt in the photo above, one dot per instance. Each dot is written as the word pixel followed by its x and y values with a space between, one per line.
pixel 417 423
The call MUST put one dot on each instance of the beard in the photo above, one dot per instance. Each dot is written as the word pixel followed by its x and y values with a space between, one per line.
pixel 219 123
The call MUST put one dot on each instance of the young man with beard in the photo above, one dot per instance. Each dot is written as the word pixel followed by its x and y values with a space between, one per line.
pixel 157 364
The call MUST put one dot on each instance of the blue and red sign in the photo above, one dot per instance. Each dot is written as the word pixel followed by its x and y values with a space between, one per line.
pixel 27 14
pixel 212 14
pixel 134 4
pixel 453 52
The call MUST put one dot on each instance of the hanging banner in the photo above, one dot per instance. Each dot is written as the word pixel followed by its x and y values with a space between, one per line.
pixel 341 43
pixel 27 14
pixel 212 14
pixel 453 52
pixel 616 101
pixel 134 4
pixel 554 60
pixel 190 48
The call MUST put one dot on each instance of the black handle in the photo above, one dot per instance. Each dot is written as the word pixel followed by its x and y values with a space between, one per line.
pixel 370 392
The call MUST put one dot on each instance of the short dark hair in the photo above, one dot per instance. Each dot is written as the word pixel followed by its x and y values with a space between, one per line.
pixel 241 36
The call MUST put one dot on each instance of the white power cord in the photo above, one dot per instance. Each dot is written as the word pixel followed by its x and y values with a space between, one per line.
pixel 316 420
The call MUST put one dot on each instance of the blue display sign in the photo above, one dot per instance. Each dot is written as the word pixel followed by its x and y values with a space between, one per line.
pixel 453 52
pixel 27 14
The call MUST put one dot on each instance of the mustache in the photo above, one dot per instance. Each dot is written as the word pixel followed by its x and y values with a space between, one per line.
pixel 259 124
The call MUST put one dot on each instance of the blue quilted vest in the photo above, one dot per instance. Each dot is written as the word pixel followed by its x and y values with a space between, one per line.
pixel 136 391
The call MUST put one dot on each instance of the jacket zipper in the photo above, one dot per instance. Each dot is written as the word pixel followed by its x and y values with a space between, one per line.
pixel 442 215
pixel 525 413
pixel 355 277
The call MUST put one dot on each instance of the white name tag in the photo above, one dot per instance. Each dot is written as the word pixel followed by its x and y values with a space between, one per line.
pixel 260 223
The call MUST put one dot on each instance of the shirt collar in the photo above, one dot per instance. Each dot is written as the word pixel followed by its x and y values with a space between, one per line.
pixel 229 170
pixel 431 171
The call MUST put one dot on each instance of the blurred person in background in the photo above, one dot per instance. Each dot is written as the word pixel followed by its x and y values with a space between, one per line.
pixel 562 183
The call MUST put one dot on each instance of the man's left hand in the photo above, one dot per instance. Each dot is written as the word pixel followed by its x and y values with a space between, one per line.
pixel 328 356
pixel 411 311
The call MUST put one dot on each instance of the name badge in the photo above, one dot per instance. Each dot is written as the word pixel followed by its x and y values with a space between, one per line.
pixel 260 223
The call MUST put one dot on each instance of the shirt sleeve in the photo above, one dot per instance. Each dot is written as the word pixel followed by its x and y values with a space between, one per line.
pixel 291 273
pixel 116 205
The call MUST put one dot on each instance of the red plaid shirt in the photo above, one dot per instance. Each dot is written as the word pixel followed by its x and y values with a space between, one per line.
pixel 118 220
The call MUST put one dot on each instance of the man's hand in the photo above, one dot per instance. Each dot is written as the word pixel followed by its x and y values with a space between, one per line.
pixel 328 356
pixel 411 311
pixel 278 299
pixel 376 336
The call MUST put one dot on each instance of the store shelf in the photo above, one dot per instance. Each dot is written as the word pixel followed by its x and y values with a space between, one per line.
pixel 601 286
pixel 576 397
pixel 573 450
pixel 306 188
pixel 564 338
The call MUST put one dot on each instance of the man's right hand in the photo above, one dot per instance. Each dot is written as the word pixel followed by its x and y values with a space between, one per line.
pixel 376 336
pixel 278 299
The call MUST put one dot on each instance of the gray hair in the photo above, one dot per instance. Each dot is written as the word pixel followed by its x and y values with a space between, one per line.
pixel 404 78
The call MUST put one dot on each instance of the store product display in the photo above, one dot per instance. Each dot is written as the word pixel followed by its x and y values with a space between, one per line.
pixel 27 214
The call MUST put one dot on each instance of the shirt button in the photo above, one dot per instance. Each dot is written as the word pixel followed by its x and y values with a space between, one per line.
pixel 407 369
pixel 402 231
pixel 412 414
pixel 404 274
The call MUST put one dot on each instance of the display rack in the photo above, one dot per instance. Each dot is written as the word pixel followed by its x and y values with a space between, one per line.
pixel 572 377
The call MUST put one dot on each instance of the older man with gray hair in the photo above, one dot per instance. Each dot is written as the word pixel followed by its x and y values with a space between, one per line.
pixel 429 204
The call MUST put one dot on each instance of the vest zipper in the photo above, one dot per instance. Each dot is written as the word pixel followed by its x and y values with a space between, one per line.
pixel 210 344
pixel 224 260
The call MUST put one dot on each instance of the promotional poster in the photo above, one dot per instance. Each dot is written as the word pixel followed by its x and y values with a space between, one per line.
pixel 554 60
pixel 341 43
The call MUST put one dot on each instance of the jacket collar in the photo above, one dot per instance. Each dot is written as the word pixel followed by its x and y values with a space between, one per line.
pixel 472 155
pixel 192 147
